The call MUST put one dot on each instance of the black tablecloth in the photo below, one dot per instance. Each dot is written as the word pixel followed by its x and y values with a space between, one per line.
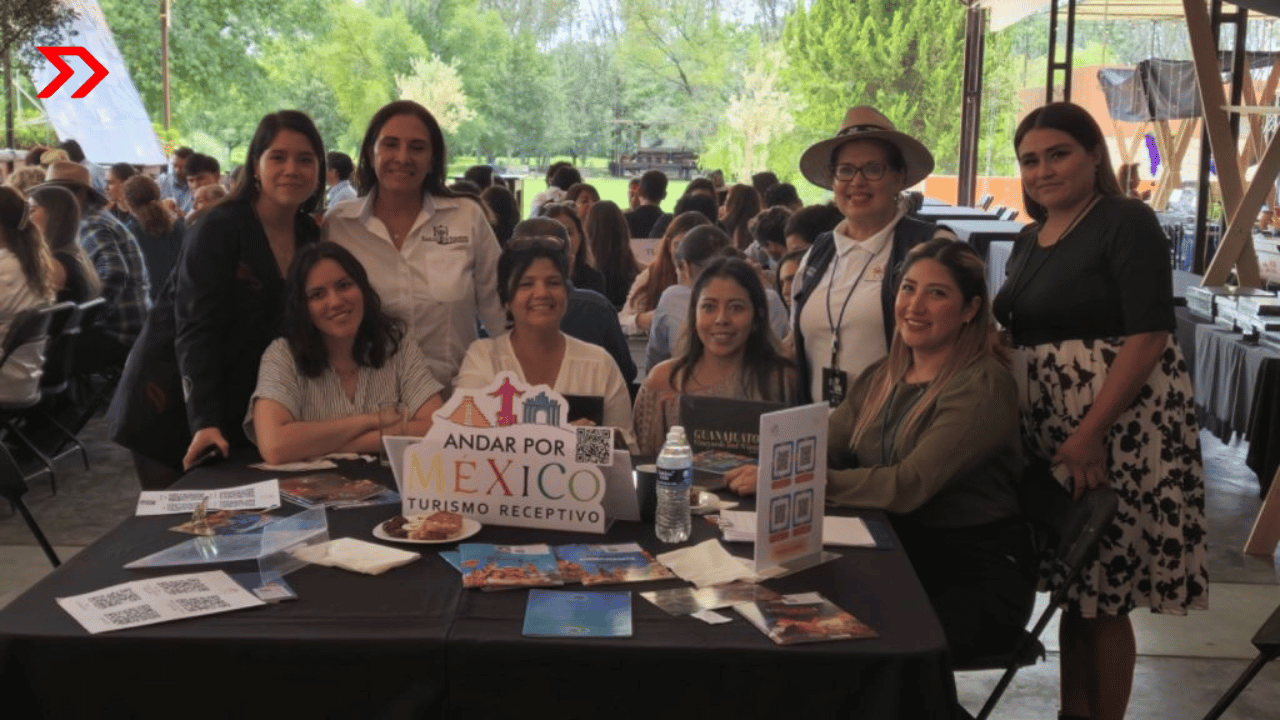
pixel 1264 424
pixel 1186 335
pixel 1226 370
pixel 412 643
pixel 947 213
pixel 981 233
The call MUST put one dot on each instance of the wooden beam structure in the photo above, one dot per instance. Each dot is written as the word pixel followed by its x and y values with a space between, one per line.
pixel 1236 247
pixel 1265 535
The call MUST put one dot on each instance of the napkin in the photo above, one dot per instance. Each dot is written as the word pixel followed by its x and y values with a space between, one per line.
pixel 740 526
pixel 713 505
pixel 707 563
pixel 356 555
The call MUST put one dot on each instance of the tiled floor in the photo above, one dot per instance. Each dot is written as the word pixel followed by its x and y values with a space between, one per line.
pixel 1184 663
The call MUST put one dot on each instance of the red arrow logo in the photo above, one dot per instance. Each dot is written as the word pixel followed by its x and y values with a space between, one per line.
pixel 65 72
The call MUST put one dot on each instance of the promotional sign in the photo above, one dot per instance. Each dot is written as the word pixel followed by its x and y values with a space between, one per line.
pixel 791 487
pixel 506 455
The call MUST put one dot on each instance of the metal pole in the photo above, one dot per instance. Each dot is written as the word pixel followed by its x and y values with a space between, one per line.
pixel 164 60
pixel 1068 58
pixel 1053 51
pixel 970 120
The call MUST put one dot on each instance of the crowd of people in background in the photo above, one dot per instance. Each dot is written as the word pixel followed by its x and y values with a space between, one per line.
pixel 279 305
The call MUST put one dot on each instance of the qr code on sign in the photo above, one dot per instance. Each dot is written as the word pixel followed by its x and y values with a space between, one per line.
pixel 114 598
pixel 181 587
pixel 133 615
pixel 200 604
pixel 595 446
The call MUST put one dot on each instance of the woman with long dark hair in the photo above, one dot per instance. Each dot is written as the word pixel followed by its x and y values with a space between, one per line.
pixel 661 273
pixel 1088 302
pixel 731 353
pixel 430 252
pixel 25 266
pixel 56 212
pixel 158 230
pixel 320 385
pixel 582 266
pixel 202 342
pixel 611 245
pixel 740 206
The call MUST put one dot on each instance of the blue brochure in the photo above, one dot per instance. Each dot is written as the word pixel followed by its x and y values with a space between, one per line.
pixel 568 613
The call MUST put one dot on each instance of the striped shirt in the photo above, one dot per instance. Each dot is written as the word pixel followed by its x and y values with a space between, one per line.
pixel 403 378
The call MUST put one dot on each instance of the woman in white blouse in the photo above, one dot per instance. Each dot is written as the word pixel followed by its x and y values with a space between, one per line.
pixel 319 387
pixel 430 251
pixel 532 284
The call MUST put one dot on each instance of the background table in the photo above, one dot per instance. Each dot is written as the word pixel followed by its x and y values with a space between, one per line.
pixel 412 643
pixel 944 213
pixel 997 258
pixel 1226 370
pixel 981 233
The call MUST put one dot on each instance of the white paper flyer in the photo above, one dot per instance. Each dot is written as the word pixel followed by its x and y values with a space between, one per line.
pixel 255 496
pixel 157 600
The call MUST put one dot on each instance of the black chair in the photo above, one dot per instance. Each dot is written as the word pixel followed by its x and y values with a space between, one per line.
pixel 59 365
pixel 1078 536
pixel 1267 640
pixel 93 389
pixel 12 487
pixel 22 356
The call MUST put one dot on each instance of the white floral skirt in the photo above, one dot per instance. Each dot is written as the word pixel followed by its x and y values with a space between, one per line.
pixel 1153 555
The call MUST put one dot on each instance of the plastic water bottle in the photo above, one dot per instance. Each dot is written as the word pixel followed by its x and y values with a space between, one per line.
pixel 675 476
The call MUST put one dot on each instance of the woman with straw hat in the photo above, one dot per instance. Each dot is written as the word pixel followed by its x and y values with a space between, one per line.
pixel 843 307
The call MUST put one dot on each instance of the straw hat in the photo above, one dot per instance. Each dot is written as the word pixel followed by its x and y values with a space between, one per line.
pixel 863 123
pixel 73 176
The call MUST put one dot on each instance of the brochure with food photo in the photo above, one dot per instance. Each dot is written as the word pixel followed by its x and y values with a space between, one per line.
pixel 328 489
pixel 802 618
pixel 609 564
pixel 501 567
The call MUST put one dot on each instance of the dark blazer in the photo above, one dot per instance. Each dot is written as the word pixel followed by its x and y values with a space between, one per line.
pixel 195 364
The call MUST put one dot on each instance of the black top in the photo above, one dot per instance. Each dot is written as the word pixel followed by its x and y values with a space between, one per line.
pixel 1108 277
pixel 77 286
pixel 640 221
pixel 228 307
pixel 588 278
pixel 159 251
pixel 591 318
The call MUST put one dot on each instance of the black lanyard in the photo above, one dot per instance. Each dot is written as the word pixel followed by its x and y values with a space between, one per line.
pixel 836 324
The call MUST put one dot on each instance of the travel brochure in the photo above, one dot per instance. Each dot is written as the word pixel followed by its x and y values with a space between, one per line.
pixel 723 433
pixel 577 613
pixel 803 618
pixel 334 491
pixel 496 567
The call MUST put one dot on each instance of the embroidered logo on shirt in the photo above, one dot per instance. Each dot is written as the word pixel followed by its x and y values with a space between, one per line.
pixel 876 274
pixel 442 236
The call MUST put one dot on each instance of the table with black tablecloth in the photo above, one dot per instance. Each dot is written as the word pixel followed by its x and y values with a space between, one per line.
pixel 1264 424
pixel 981 233
pixel 1226 372
pixel 947 213
pixel 413 643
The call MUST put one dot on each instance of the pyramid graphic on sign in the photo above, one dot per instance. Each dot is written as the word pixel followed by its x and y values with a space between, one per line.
pixel 468 413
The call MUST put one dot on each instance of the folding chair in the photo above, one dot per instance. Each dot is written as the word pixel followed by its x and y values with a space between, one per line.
pixel 12 487
pixel 87 397
pixel 1267 640
pixel 22 358
pixel 59 364
pixel 1077 546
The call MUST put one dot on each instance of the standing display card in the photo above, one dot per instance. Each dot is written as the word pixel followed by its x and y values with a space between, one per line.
pixel 803 618
pixel 791 488
pixel 503 567
pixel 568 613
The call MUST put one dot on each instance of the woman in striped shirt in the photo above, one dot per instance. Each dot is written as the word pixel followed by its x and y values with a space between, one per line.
pixel 320 385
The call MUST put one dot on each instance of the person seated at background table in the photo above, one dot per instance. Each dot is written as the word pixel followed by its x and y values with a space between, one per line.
pixel 700 195
pixel 731 353
pixel 117 175
pixel 582 264
pixel 504 210
pixel 931 435
pixel 610 242
pixel 741 205
pixel 203 199
pixel 807 223
pixel 25 266
pixel 533 287
pixel 661 273
pixel 57 213
pixel 788 265
pixel 769 240
pixel 582 196
pixel 320 385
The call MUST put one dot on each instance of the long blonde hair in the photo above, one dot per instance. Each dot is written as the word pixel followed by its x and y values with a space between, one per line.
pixel 975 341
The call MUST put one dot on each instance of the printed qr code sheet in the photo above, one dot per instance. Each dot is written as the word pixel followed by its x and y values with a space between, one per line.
pixel 595 446
pixel 260 495
pixel 157 600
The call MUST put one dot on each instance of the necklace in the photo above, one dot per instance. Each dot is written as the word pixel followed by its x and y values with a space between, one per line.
pixel 1020 284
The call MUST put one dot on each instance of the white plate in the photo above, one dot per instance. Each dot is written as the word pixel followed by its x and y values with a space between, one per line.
pixel 469 527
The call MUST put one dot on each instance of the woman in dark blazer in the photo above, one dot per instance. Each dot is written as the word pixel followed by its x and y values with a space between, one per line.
pixel 200 349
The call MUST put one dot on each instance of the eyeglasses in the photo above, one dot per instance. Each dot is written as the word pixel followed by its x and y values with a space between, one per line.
pixel 871 171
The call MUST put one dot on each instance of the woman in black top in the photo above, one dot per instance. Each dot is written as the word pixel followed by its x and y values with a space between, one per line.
pixel 158 231
pixel 221 307
pixel 1088 302
pixel 610 242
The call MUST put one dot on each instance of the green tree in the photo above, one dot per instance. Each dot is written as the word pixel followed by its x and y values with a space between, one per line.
pixel 436 86
pixel 754 121
pixel 23 25
pixel 906 59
